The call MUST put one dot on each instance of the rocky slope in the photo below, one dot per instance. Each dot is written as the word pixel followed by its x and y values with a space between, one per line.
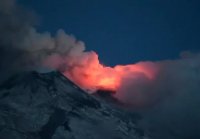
pixel 49 106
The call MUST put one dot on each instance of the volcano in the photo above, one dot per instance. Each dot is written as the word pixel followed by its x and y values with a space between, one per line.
pixel 49 106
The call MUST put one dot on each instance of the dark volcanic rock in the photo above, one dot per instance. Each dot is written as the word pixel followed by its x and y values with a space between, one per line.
pixel 49 106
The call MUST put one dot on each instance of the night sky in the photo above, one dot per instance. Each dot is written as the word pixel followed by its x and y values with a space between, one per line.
pixel 124 31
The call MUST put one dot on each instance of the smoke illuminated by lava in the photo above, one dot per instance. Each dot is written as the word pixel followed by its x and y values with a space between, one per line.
pixel 94 76
pixel 85 69
pixel 140 84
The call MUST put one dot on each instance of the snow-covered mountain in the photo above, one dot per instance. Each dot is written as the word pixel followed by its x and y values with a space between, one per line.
pixel 49 106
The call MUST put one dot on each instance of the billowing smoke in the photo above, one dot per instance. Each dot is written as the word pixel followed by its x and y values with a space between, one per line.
pixel 173 77
pixel 13 27
pixel 168 90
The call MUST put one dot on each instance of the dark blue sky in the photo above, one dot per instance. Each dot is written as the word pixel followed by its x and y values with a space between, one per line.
pixel 125 31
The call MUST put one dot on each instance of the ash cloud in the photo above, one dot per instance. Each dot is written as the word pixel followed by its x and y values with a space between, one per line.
pixel 173 77
pixel 170 103
pixel 23 48
pixel 13 26
pixel 177 115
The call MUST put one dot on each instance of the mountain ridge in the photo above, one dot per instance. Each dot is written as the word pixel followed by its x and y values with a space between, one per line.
pixel 49 106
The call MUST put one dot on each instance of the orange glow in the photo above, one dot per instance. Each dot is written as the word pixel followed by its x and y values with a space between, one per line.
pixel 90 74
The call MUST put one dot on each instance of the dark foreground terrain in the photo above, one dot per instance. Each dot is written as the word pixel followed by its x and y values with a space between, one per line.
pixel 49 106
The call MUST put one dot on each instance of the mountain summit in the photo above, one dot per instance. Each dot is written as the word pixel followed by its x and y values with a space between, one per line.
pixel 49 106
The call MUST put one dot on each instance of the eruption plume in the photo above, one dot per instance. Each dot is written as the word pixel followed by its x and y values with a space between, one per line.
pixel 171 85
pixel 135 84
